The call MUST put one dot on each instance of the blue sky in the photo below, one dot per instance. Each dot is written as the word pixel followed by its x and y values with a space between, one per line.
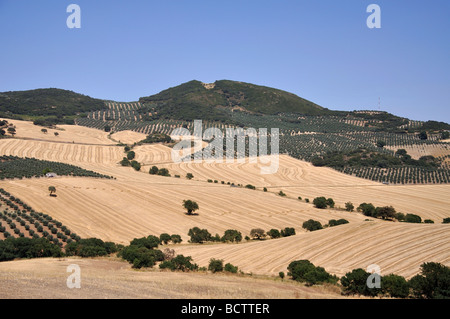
pixel 321 50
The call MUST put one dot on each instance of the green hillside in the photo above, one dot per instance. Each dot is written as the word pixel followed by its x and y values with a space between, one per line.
pixel 47 102
pixel 194 100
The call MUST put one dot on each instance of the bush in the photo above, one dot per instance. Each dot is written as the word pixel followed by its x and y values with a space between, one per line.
pixel 355 282
pixel 411 218
pixel 333 222
pixel 446 220
pixel 432 283
pixel 320 202
pixel 305 271
pixel 149 242
pixel 312 225
pixel 274 233
pixel 330 202
pixel 367 209
pixel 215 265
pixel 394 285
pixel 180 262
pixel 349 207
pixel 386 212
pixel 232 235
pixel 12 248
pixel 288 231
pixel 199 235
pixel 230 268
pixel 90 247
pixel 165 238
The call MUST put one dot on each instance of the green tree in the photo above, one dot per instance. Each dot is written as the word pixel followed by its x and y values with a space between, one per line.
pixel 165 238
pixel 230 268
pixel 52 189
pixel 199 235
pixel 394 285
pixel 189 176
pixel 153 170
pixel 274 233
pixel 190 206
pixel 320 202
pixel 232 235
pixel 355 282
pixel 312 225
pixel 215 265
pixel 432 283
pixel 349 207
pixel 288 231
pixel 367 209
pixel 12 131
pixel 412 218
pixel 131 155
pixel 330 203
pixel 423 135
pixel 386 212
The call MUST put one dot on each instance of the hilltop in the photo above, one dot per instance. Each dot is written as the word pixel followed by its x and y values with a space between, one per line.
pixel 194 99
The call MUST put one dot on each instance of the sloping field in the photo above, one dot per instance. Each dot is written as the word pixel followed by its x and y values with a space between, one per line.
pixel 138 204
pixel 128 137
pixel 417 151
pixel 395 247
pixel 66 133
pixel 122 210
pixel 106 278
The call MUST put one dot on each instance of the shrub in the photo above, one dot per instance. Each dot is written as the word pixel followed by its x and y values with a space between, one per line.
pixel 367 209
pixel 215 265
pixel 153 170
pixel 386 212
pixel 394 285
pixel 446 220
pixel 312 225
pixel 180 262
pixel 176 239
pixel 230 268
pixel 232 235
pixel 199 235
pixel 165 238
pixel 330 203
pixel 428 221
pixel 149 242
pixel 189 176
pixel 355 282
pixel 249 186
pixel 288 231
pixel 349 207
pixel 305 271
pixel 274 233
pixel 432 283
pixel 281 193
pixel 333 222
pixel 411 218
pixel 320 202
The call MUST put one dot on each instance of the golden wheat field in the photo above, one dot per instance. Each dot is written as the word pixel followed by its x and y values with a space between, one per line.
pixel 137 204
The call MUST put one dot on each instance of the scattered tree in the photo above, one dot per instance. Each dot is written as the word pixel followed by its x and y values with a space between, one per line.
pixel 190 206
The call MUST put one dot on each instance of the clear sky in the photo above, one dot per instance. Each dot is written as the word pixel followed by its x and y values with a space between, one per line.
pixel 321 50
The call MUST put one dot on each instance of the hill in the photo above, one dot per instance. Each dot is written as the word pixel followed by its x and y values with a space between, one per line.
pixel 47 102
pixel 194 100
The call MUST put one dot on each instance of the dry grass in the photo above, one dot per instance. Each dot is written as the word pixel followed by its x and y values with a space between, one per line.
pixel 106 278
